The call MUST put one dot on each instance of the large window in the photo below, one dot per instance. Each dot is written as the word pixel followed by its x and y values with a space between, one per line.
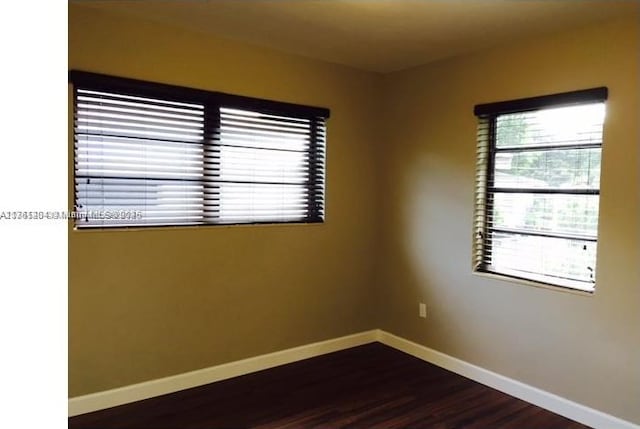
pixel 538 187
pixel 158 155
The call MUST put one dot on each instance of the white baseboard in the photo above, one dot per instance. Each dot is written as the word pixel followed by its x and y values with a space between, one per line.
pixel 148 389
pixel 533 395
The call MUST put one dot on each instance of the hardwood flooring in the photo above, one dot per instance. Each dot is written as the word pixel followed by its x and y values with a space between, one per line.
pixel 371 386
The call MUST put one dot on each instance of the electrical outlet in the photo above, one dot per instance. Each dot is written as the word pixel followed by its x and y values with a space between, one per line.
pixel 422 310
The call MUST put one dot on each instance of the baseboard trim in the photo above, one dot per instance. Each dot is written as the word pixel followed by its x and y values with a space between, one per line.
pixel 543 399
pixel 149 389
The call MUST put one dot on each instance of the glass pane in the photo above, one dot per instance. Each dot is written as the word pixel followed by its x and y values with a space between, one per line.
pixel 556 126
pixel 544 259
pixel 255 202
pixel 563 214
pixel 239 164
pixel 554 169
pixel 245 128
pixel 122 202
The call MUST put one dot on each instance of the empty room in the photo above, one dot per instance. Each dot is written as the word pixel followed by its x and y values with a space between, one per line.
pixel 353 213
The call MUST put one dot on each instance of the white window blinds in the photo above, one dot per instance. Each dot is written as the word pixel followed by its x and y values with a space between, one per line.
pixel 153 155
pixel 538 186
pixel 270 167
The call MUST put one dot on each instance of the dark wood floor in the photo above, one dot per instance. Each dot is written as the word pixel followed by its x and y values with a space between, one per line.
pixel 363 387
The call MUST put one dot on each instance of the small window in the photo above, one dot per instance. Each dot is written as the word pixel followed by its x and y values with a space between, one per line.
pixel 158 155
pixel 538 188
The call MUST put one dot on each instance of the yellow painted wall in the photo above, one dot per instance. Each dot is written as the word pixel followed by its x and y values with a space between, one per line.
pixel 586 349
pixel 152 303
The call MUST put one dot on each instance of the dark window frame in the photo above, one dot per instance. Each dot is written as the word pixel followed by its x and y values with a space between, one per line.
pixel 485 189
pixel 213 101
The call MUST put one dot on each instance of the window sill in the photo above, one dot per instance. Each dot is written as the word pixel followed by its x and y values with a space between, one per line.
pixel 533 283
pixel 194 227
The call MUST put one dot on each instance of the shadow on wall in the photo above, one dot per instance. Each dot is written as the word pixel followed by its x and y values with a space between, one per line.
pixel 431 262
pixel 435 248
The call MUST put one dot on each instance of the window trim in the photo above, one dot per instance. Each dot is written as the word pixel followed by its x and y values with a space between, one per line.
pixel 592 95
pixel 484 188
pixel 135 87
pixel 210 99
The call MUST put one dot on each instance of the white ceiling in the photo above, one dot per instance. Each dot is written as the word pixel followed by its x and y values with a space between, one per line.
pixel 374 35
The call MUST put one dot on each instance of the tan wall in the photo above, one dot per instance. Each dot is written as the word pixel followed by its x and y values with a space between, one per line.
pixel 152 303
pixel 583 348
